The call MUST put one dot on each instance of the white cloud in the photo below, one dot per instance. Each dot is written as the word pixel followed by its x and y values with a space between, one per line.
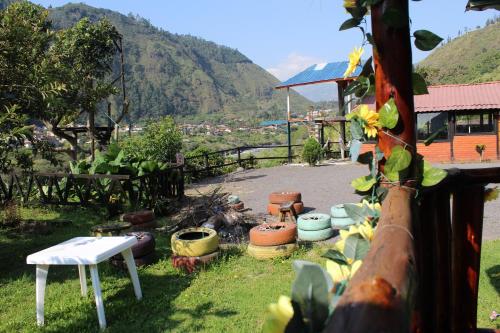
pixel 293 64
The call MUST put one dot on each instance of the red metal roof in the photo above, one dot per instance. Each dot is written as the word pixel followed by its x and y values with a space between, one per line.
pixel 474 96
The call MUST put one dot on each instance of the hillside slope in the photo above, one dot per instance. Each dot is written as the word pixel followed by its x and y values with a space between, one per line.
pixel 186 76
pixel 473 57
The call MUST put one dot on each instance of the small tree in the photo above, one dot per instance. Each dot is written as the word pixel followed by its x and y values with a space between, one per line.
pixel 160 141
pixel 312 151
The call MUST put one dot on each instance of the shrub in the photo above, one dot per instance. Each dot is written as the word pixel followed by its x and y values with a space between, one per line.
pixel 159 142
pixel 312 151
pixel 196 160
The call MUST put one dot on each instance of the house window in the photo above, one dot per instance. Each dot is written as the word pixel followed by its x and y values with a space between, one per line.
pixel 474 123
pixel 431 122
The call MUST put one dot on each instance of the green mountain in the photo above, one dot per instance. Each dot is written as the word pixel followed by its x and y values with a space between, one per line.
pixel 186 76
pixel 472 57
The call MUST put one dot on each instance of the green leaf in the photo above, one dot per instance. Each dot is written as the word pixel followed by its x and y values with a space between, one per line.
pixel 432 175
pixel 356 130
pixel 352 88
pixel 419 84
pixel 364 183
pixel 350 23
pixel 357 12
pixel 367 68
pixel 369 38
pixel 394 18
pixel 399 160
pixel 366 158
pixel 336 256
pixel 426 40
pixel 388 114
pixel 355 212
pixel 311 291
pixel 356 247
pixel 354 149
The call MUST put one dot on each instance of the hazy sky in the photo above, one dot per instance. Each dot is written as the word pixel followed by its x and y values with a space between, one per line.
pixel 284 36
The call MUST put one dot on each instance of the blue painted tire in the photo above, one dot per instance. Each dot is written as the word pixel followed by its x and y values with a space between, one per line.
pixel 313 221
pixel 338 211
pixel 315 235
pixel 342 222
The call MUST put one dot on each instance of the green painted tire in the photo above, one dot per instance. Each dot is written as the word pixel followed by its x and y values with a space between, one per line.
pixel 338 211
pixel 315 235
pixel 342 222
pixel 313 221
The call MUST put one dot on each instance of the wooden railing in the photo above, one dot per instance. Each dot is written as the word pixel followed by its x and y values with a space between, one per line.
pixel 72 189
pixel 422 271
pixel 202 164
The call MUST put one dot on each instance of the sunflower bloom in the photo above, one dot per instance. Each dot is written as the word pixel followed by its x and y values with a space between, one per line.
pixel 370 121
pixel 354 61
pixel 349 3
pixel 279 314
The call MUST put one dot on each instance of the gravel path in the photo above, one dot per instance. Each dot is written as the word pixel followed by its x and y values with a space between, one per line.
pixel 321 187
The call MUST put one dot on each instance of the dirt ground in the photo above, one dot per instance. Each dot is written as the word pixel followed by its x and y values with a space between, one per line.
pixel 321 187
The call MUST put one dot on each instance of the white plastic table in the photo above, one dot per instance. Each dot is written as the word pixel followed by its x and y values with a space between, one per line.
pixel 83 251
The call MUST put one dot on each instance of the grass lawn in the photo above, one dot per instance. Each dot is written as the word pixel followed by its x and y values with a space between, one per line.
pixel 230 295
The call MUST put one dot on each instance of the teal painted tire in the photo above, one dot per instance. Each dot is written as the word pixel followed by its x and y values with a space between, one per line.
pixel 338 211
pixel 233 199
pixel 342 222
pixel 315 235
pixel 313 221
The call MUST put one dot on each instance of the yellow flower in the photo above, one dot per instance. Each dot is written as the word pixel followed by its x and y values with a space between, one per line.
pixel 374 206
pixel 366 231
pixel 370 120
pixel 279 314
pixel 354 60
pixel 491 194
pixel 339 272
pixel 349 3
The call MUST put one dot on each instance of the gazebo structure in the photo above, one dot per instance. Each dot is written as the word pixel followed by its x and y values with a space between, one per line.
pixel 316 74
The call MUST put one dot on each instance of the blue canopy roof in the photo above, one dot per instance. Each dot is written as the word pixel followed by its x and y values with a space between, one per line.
pixel 333 71
pixel 273 122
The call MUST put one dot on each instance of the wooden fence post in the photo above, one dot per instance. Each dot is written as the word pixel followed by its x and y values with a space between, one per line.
pixel 239 157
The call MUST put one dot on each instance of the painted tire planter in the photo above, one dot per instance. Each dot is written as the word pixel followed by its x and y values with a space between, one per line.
pixel 145 260
pixel 274 209
pixel 194 242
pixel 233 199
pixel 273 234
pixel 342 222
pixel 268 252
pixel 115 229
pixel 140 217
pixel 315 235
pixel 282 197
pixel 238 206
pixel 338 211
pixel 313 221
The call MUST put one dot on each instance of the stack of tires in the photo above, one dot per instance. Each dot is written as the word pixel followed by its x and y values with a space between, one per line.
pixel 270 240
pixel 142 220
pixel 278 198
pixel 314 227
pixel 235 203
pixel 194 246
pixel 340 219
pixel 143 251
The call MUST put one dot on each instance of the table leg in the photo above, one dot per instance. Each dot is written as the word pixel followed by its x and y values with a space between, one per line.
pixel 98 296
pixel 41 280
pixel 83 279
pixel 129 260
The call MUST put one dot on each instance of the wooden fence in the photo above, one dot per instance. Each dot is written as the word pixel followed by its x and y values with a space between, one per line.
pixel 206 164
pixel 422 271
pixel 71 189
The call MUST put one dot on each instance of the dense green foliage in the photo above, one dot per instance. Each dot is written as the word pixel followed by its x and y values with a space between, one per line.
pixel 312 151
pixel 159 141
pixel 179 75
pixel 472 57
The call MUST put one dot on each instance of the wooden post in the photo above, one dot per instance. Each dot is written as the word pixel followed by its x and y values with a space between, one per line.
pixel 393 75
pixel 239 156
pixel 467 225
pixel 340 89
pixel 91 130
pixel 288 117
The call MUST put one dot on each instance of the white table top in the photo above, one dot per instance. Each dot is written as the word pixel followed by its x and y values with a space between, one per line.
pixel 82 251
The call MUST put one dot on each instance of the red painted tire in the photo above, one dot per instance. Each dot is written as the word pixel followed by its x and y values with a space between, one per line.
pixel 145 243
pixel 274 209
pixel 190 263
pixel 145 226
pixel 140 217
pixel 270 234
pixel 282 197
pixel 238 206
